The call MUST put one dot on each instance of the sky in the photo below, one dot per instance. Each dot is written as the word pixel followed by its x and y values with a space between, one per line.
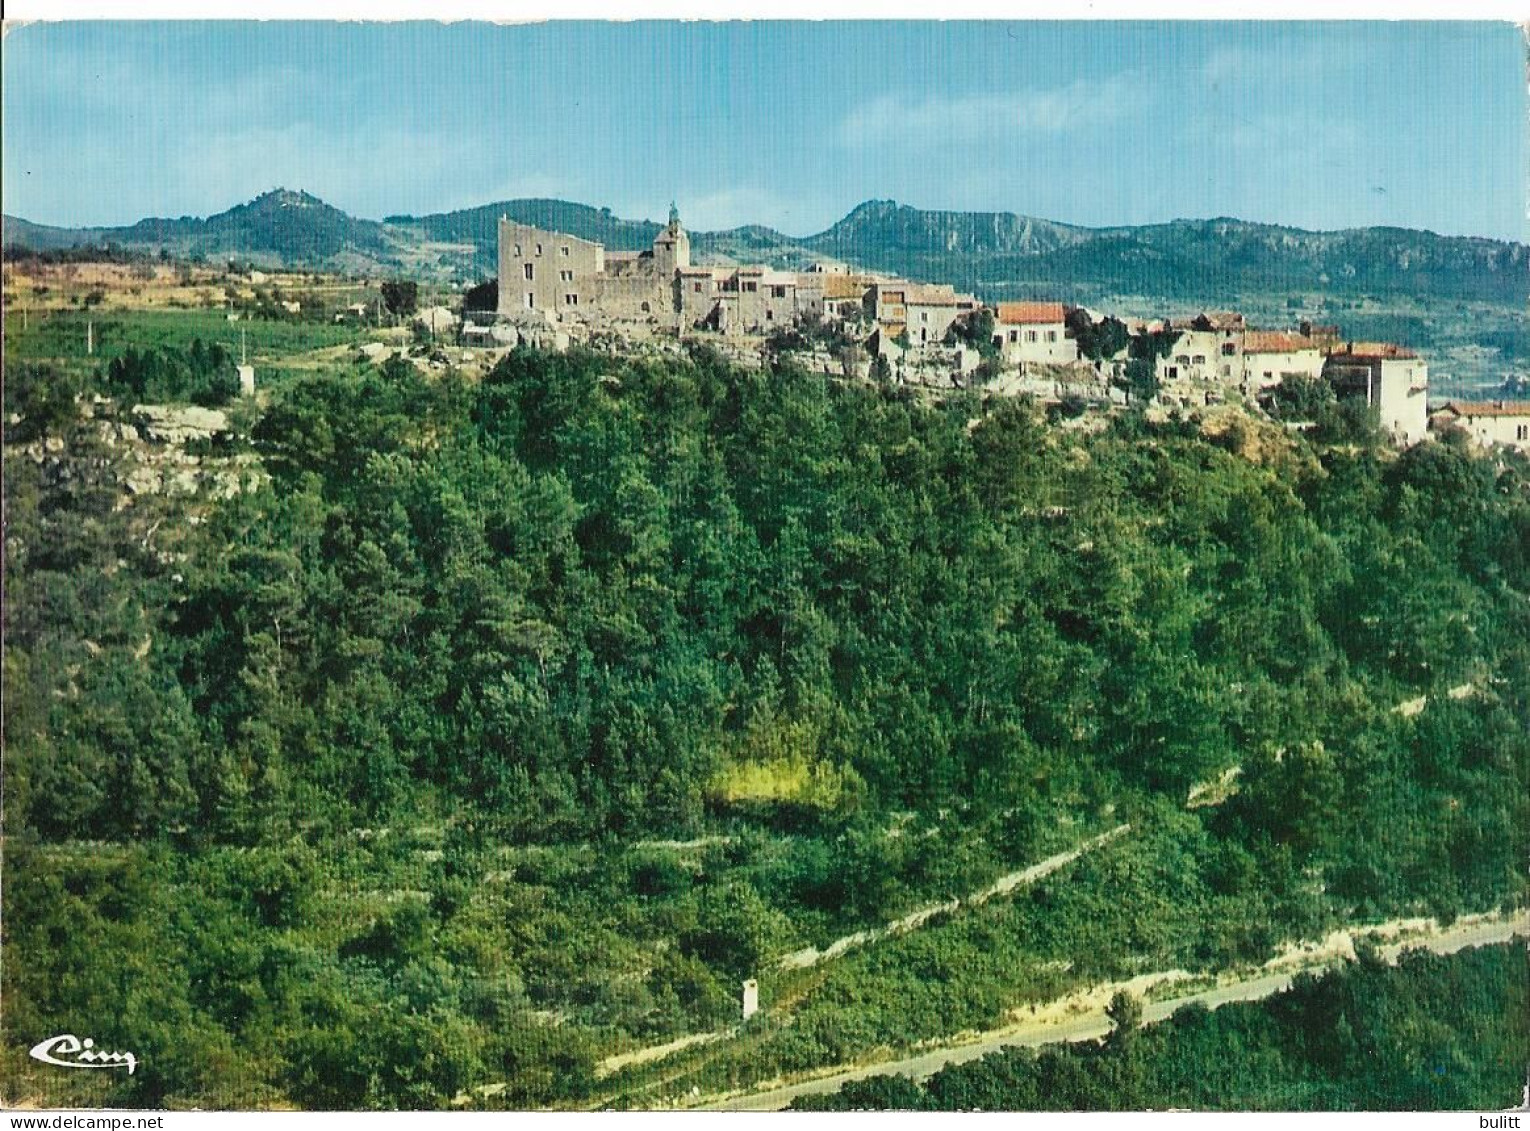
pixel 1315 125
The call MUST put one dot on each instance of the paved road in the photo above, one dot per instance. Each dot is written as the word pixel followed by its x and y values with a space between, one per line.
pixel 1094 1024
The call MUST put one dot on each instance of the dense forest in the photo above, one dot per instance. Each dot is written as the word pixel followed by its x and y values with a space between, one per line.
pixel 513 722
pixel 1435 1033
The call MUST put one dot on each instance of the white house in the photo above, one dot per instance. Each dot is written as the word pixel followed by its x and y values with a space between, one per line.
pixel 1393 379
pixel 1270 356
pixel 1504 423
pixel 1033 331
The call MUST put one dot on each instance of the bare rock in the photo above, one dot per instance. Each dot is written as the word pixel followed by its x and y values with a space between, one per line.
pixel 170 424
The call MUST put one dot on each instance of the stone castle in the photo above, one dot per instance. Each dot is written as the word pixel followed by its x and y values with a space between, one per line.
pixel 552 281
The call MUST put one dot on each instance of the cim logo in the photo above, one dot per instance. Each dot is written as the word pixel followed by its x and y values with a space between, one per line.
pixel 69 1051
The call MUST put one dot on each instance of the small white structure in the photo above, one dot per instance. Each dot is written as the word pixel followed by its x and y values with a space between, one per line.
pixel 751 998
pixel 246 380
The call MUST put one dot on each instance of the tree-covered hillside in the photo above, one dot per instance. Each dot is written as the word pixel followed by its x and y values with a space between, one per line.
pixel 480 226
pixel 513 722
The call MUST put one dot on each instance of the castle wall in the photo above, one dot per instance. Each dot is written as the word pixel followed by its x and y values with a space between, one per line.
pixel 543 271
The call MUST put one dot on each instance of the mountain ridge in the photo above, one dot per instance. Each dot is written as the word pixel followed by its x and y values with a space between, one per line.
pixel 995 254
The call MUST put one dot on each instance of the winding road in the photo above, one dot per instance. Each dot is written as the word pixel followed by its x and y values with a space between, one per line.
pixel 1091 1023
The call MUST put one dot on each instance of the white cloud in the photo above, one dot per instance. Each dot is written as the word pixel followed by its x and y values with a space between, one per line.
pixel 1229 66
pixel 963 119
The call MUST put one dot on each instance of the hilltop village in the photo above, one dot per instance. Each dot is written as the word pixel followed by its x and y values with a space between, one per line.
pixel 556 288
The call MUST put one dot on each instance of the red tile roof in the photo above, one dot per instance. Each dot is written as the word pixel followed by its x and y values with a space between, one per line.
pixel 1275 341
pixel 1486 408
pixel 1373 351
pixel 1030 313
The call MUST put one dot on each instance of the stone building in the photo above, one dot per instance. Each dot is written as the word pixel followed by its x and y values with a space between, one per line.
pixel 562 277
pixel 1034 332
pixel 546 272
pixel 1393 380
pixel 1488 423
pixel 1207 353
pixel 1270 356
pixel 922 311
pixel 846 297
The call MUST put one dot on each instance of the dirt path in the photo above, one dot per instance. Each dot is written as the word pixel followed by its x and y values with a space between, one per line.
pixel 1082 1016
pixel 812 956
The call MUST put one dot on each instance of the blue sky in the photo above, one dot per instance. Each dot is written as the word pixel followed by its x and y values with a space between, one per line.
pixel 1319 125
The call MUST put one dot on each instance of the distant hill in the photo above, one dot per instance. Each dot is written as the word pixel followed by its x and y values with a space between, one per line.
pixel 280 228
pixel 479 226
pixel 996 254
pixel 1000 253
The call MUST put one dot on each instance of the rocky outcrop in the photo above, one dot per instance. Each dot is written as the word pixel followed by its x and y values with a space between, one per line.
pixel 178 424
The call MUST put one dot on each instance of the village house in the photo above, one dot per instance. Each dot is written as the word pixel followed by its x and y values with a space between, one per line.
pixel 1488 423
pixel 922 311
pixel 1393 380
pixel 932 308
pixel 1208 352
pixel 1270 356
pixel 1033 332
pixel 845 297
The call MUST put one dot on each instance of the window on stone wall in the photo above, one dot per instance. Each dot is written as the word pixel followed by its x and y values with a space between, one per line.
pixel 539 249
pixel 1200 359
pixel 1522 432
pixel 563 250
pixel 517 251
pixel 527 269
pixel 570 300
pixel 1014 335
pixel 1031 335
pixel 1228 349
pixel 566 276
pixel 1051 335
